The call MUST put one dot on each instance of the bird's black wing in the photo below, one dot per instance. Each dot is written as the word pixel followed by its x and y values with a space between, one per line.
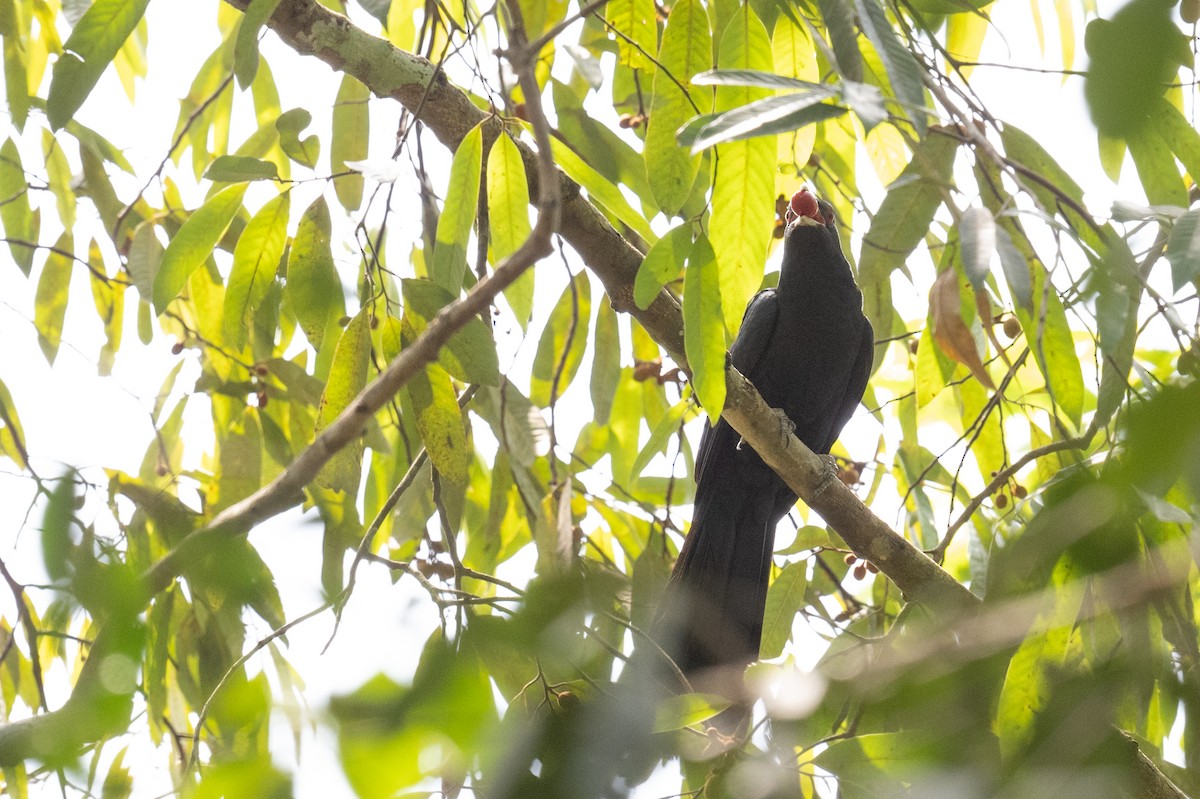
pixel 859 375
pixel 758 325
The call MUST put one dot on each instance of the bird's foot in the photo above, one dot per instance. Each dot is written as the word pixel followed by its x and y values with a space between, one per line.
pixel 786 425
pixel 829 476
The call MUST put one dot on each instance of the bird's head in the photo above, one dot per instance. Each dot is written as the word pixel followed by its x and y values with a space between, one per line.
pixel 811 227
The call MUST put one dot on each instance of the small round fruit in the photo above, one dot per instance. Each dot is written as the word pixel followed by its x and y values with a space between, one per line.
pixel 850 558
pixel 1001 500
pixel 1012 328
pixel 860 572
pixel 805 204
pixel 177 348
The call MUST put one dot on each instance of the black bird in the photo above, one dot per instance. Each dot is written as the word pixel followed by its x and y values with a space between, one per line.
pixel 807 347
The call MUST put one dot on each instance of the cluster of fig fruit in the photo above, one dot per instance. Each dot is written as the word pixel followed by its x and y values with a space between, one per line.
pixel 861 567
pixel 1017 490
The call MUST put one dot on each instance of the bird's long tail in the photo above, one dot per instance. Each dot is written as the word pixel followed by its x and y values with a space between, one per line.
pixel 712 615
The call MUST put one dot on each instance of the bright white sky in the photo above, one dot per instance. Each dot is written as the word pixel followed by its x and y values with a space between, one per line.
pixel 74 417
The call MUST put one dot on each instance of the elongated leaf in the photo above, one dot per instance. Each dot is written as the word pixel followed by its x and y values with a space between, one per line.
pixel 635 21
pixel 351 136
pixel 508 219
pixel 766 117
pixel 601 191
pixel 686 49
pixel 194 243
pixel 794 56
pixel 15 28
pixel 471 354
pixel 108 296
pixel 454 225
pixel 703 328
pixel 785 597
pixel 440 422
pixel 762 80
pixel 312 282
pixel 662 264
pixel 1183 249
pixel 255 262
pixel 50 302
pixel 743 200
pixel 902 68
pixel 667 427
pixel 1016 269
pixel 978 231
pixel 1156 168
pixel 92 45
pixel 900 224
pixel 245 50
pixel 12 435
pixel 563 342
pixel 1053 347
pixel 239 464
pixel 839 21
pixel 59 172
pixel 15 212
pixel 606 362
pixel 235 168
pixel 677 712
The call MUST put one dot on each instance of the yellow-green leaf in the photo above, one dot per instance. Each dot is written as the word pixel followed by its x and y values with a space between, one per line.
pixel 12 435
pixel 440 422
pixel 255 262
pixel 109 298
pixel 703 327
pixel 15 212
pixel 636 22
pixel 194 243
pixel 245 51
pixel 1053 347
pixel 601 191
pixel 795 56
pixel 458 214
pixel 312 286
pixel 563 342
pixel 508 219
pixel 92 45
pixel 58 170
pixel 50 302
pixel 785 597
pixel 661 265
pixel 686 50
pixel 239 459
pixel 351 137
pixel 677 712
pixel 470 355
pixel 743 202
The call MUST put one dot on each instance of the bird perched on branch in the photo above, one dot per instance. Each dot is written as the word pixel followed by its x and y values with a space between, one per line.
pixel 807 347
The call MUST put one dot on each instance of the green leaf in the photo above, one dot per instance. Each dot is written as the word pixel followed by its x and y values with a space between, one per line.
pixel 58 170
pixel 667 427
pixel 245 49
pixel 636 23
pixel 470 355
pixel 563 342
pixel 902 68
pixel 56 527
pixel 601 191
pixel 1180 136
pixel 239 462
pixel 785 597
pixel 1053 347
pixel 458 214
pixel 12 435
pixel 302 151
pixel 350 139
pixel 684 710
pixel 1183 249
pixel 15 28
pixel 313 288
pixel 900 225
pixel 50 302
pixel 1016 269
pixel 255 262
pixel 606 362
pixel 194 243
pixel 703 331
pixel 843 35
pixel 743 199
pixel 1156 168
pixel 766 117
pixel 508 219
pixel 108 296
pixel 237 168
pixel 15 212
pixel 92 45
pixel 686 50
pixel 440 422
pixel 661 265
pixel 1028 686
